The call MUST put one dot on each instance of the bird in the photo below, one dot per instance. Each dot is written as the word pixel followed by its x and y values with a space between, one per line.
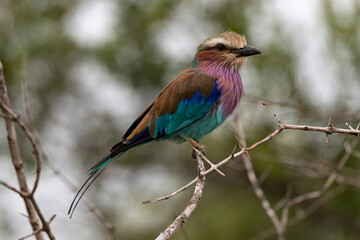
pixel 192 105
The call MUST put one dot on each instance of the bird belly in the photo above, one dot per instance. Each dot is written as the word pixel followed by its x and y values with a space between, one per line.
pixel 198 129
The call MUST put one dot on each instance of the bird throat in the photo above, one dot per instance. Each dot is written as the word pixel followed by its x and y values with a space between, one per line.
pixel 228 82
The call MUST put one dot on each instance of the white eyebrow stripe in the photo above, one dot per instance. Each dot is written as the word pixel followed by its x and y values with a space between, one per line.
pixel 215 41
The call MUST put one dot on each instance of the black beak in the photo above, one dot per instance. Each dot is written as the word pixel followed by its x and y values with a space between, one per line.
pixel 246 51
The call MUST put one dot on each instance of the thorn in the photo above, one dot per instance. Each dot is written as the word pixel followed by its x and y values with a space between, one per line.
pixel 349 126
pixel 234 150
pixel 52 218
pixel 264 104
pixel 220 172
pixel 330 123
pixel 208 161
pixel 237 139
pixel 24 215
pixel 327 138
pixel 358 127
pixel 277 118
pixel 242 146
pixel 239 142
pixel 248 155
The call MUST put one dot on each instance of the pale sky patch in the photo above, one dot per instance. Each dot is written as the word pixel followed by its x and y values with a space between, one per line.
pixel 92 22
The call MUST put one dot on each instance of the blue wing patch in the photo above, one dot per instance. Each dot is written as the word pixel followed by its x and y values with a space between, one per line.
pixel 188 111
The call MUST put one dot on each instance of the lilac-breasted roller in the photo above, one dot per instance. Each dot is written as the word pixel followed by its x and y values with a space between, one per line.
pixel 192 105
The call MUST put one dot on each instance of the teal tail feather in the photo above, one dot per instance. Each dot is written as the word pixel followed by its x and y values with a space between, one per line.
pixel 93 175
pixel 94 172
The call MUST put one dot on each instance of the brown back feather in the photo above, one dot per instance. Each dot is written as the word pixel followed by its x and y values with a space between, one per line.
pixel 180 88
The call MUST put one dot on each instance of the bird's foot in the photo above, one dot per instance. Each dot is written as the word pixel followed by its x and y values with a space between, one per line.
pixel 196 145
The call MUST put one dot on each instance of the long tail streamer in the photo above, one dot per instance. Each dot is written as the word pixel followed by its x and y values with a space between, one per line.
pixel 92 176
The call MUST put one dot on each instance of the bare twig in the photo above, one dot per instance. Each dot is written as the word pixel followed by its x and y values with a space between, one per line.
pixel 316 194
pixel 320 170
pixel 328 182
pixel 182 218
pixel 280 229
pixel 210 163
pixel 279 129
pixel 3 115
pixel 16 158
pixel 183 188
pixel 29 135
pixel 307 212
pixel 285 212
pixel 327 129
pixel 11 187
pixel 36 140
pixel 39 230
pixel 260 194
pixel 280 226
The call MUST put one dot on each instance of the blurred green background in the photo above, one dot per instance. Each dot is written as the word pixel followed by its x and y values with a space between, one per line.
pixel 94 65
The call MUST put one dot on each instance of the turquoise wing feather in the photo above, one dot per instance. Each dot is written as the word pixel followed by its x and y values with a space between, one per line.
pixel 189 110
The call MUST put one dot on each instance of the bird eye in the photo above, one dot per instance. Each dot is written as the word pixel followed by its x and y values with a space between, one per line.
pixel 220 47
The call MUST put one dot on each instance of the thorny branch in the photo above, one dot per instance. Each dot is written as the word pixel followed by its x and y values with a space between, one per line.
pixel 323 200
pixel 324 195
pixel 280 229
pixel 332 177
pixel 278 130
pixel 182 218
pixel 280 225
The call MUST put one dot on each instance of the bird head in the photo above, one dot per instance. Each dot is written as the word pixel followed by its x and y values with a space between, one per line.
pixel 225 50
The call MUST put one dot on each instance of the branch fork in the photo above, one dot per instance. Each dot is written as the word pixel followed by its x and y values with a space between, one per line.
pixel 192 204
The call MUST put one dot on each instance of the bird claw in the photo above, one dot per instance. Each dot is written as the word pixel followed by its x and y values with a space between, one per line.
pixel 200 148
pixel 197 146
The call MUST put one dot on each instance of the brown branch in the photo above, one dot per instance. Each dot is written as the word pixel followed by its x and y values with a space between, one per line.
pixel 329 180
pixel 327 129
pixel 280 228
pixel 306 213
pixel 36 140
pixel 30 195
pixel 316 194
pixel 183 188
pixel 210 163
pixel 13 116
pixel 278 130
pixel 15 156
pixel 182 218
pixel 311 168
pixel 93 208
pixel 8 186
pixel 3 115
pixel 39 230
